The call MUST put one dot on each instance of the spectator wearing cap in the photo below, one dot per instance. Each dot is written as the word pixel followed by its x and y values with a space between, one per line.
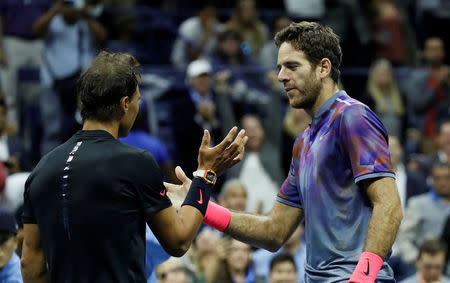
pixel 205 105
pixel 9 260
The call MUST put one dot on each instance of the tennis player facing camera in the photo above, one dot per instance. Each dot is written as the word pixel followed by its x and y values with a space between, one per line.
pixel 340 181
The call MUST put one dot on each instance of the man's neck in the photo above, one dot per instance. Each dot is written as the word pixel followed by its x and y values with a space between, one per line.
pixel 328 90
pixel 110 127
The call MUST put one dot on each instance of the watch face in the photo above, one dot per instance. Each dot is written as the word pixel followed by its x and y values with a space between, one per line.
pixel 210 176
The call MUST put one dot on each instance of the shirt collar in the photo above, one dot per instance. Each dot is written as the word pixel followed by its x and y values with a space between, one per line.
pixel 326 106
pixel 328 103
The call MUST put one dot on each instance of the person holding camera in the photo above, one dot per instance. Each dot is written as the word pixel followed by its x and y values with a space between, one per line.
pixel 70 34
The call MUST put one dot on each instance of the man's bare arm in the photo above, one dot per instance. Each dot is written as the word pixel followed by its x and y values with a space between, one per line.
pixel 386 216
pixel 34 269
pixel 268 232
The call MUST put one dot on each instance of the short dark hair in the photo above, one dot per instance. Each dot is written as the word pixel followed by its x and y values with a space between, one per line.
pixel 110 77
pixel 432 247
pixel 279 258
pixel 316 41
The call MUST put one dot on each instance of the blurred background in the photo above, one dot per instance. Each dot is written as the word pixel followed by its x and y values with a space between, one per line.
pixel 212 64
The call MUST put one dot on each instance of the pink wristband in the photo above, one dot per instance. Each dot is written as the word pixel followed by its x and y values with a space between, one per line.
pixel 367 269
pixel 217 216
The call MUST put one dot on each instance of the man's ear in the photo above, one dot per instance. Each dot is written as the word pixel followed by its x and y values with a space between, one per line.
pixel 124 103
pixel 324 68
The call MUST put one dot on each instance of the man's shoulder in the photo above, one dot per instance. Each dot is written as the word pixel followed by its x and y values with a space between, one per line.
pixel 353 111
pixel 346 103
pixel 128 151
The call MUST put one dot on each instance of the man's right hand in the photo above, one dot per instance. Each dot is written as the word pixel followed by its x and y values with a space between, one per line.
pixel 224 155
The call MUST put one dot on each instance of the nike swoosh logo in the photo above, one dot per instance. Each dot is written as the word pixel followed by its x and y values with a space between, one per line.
pixel 163 192
pixel 200 201
pixel 368 270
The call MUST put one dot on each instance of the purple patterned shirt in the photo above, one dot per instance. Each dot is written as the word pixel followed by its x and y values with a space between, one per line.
pixel 345 143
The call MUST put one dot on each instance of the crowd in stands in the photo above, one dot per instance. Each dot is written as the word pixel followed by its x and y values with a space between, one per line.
pixel 210 65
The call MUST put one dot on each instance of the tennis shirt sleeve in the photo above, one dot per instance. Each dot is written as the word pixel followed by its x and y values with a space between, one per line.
pixel 152 194
pixel 364 140
pixel 289 192
pixel 28 216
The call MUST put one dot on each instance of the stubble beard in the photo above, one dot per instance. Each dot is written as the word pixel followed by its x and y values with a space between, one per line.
pixel 308 93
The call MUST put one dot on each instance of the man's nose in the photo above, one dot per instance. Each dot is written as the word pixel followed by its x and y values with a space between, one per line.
pixel 282 76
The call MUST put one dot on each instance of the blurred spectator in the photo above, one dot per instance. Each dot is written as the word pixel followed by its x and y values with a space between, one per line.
pixel 206 254
pixel 69 33
pixel 295 122
pixel 246 22
pixel 428 87
pixel 12 150
pixel 283 269
pixel 293 247
pixel 269 53
pixel 409 184
pixel 425 214
pixel 442 154
pixel 394 38
pixel 385 98
pixel 350 21
pixel 260 169
pixel 18 46
pixel 433 18
pixel 237 266
pixel 305 9
pixel 141 138
pixel 233 195
pixel 9 260
pixel 430 263
pixel 206 105
pixel 196 35
pixel 228 52
pixel 181 275
pixel 123 41
pixel 243 71
pixel 174 271
pixel 14 164
pixel 154 255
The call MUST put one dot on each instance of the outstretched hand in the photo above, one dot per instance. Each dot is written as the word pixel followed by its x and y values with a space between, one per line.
pixel 224 155
pixel 177 193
